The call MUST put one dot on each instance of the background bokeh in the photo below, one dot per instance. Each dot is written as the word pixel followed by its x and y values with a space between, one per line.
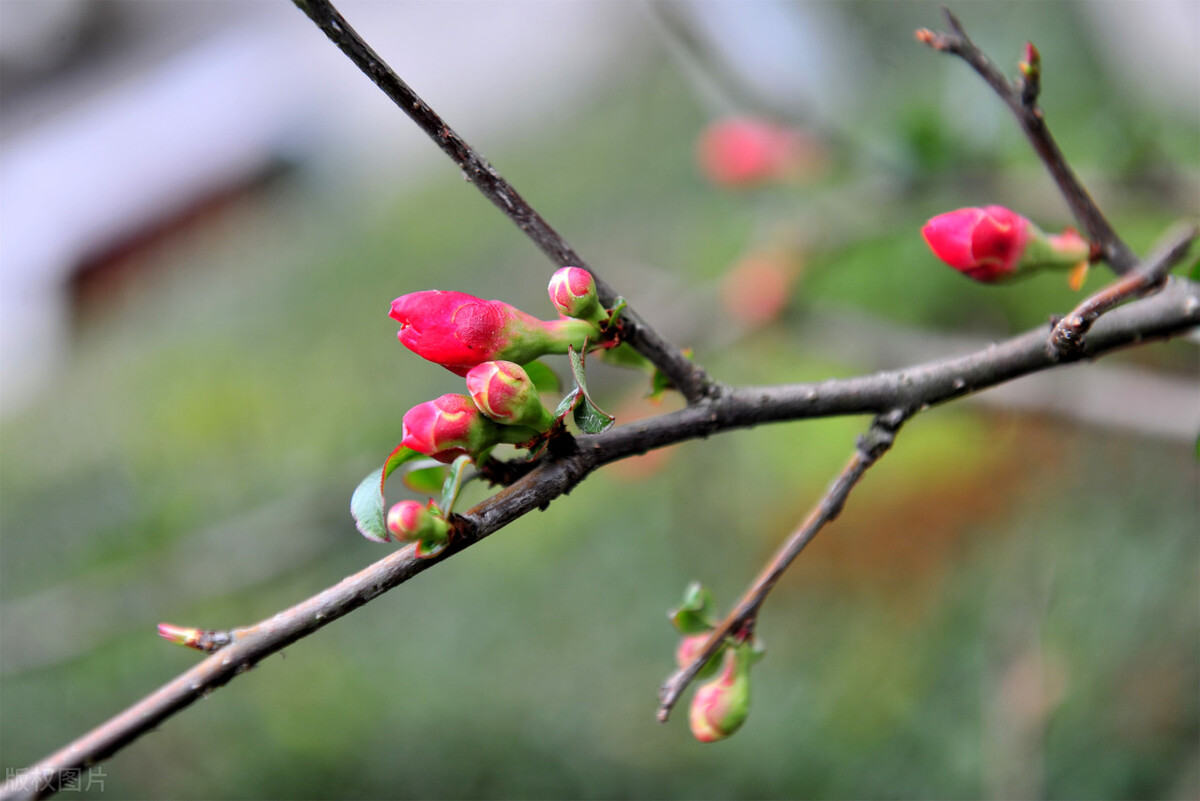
pixel 199 368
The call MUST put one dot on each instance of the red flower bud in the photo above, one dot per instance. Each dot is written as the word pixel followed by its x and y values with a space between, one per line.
pixel 410 521
pixel 744 152
pixel 450 426
pixel 504 392
pixel 985 244
pixel 720 706
pixel 459 331
pixel 445 428
pixel 573 293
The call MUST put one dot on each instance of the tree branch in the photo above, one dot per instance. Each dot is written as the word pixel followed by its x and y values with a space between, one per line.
pixel 1022 101
pixel 892 395
pixel 689 378
pixel 1172 311
pixel 1146 279
pixel 739 623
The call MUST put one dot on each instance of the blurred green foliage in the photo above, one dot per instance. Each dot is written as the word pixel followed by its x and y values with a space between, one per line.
pixel 1007 608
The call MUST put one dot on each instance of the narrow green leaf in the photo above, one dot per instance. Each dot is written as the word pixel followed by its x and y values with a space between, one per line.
pixel 567 404
pixel 544 379
pixel 452 484
pixel 590 418
pixel 615 313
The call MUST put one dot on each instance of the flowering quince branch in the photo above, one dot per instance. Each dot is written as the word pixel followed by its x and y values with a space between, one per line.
pixel 1021 99
pixel 686 376
pixel 1174 310
pixel 739 623
pixel 437 534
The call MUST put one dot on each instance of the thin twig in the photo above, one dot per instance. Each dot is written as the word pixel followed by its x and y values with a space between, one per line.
pixel 1067 335
pixel 1174 310
pixel 741 619
pixel 688 377
pixel 1023 105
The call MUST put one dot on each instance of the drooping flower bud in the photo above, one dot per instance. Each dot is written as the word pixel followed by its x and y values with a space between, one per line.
pixel 985 244
pixel 410 521
pixel 720 706
pixel 452 425
pixel 459 331
pixel 504 392
pixel 745 152
pixel 573 293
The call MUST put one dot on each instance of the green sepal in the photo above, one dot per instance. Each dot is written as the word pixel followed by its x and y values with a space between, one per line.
pixel 367 504
pixel 695 614
pixel 425 479
pixel 590 418
pixel 545 380
pixel 426 549
pixel 453 484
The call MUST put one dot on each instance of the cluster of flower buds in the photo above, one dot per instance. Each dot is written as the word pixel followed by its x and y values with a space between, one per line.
pixel 993 244
pixel 721 704
pixel 487 342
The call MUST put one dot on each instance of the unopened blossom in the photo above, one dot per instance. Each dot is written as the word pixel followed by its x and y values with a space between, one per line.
pixel 459 331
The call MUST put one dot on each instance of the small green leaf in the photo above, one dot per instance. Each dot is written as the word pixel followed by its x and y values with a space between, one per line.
pixel 590 419
pixel 452 484
pixel 1194 273
pixel 695 614
pixel 425 479
pixel 367 505
pixel 545 380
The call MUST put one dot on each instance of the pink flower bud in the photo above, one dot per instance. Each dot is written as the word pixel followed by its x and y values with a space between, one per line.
pixel 504 392
pixel 985 244
pixel 721 705
pixel 410 521
pixel 573 293
pixel 443 428
pixel 452 425
pixel 459 331
pixel 744 152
